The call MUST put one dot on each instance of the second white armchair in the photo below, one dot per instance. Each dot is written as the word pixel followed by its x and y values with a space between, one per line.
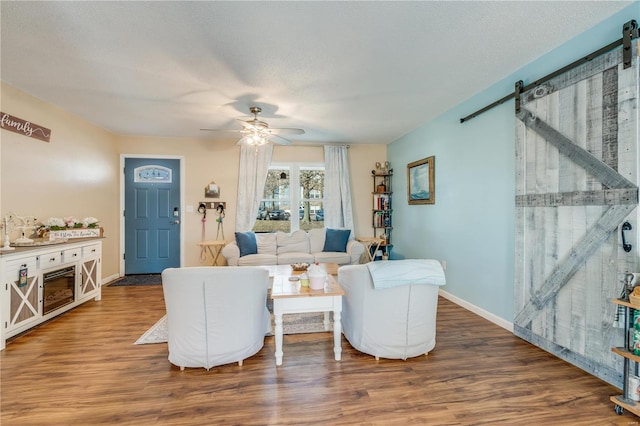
pixel 396 321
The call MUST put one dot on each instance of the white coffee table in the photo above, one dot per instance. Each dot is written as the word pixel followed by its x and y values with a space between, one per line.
pixel 288 300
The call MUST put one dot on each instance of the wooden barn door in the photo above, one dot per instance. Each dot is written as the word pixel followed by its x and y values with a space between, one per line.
pixel 576 183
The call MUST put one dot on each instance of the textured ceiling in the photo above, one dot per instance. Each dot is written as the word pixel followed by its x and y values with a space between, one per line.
pixel 354 72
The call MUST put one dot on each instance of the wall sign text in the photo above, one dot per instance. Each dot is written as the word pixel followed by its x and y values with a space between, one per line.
pixel 23 127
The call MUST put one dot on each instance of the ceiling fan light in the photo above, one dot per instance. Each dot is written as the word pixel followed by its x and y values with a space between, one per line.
pixel 257 132
pixel 256 138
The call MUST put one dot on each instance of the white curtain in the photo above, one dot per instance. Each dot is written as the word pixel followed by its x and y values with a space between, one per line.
pixel 254 166
pixel 337 193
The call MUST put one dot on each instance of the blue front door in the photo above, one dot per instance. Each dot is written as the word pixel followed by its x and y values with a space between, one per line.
pixel 151 215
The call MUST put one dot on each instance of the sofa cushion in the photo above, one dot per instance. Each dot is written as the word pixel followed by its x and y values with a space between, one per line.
pixel 257 260
pixel 332 257
pixel 266 243
pixel 289 258
pixel 336 240
pixel 246 243
pixel 297 242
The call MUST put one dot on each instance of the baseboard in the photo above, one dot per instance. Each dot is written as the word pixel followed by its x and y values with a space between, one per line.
pixel 478 311
pixel 107 280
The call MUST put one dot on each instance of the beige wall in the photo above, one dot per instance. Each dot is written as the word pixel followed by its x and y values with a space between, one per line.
pixel 208 160
pixel 75 174
pixel 204 161
pixel 78 173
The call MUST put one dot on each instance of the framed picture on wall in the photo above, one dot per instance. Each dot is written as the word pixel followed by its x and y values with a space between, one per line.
pixel 421 185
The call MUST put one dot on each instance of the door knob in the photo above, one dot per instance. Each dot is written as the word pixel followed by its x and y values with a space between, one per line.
pixel 176 222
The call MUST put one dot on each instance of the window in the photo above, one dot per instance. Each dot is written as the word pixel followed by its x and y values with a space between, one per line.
pixel 152 173
pixel 276 213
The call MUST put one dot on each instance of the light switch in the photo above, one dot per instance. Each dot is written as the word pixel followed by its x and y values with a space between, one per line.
pixel 189 209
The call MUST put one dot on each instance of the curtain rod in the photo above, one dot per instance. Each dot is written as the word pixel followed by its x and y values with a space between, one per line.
pixel 629 32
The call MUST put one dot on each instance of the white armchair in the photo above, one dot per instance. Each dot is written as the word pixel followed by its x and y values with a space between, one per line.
pixel 398 322
pixel 216 315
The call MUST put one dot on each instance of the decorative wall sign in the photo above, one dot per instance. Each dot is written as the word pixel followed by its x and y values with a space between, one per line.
pixel 421 186
pixel 76 233
pixel 22 127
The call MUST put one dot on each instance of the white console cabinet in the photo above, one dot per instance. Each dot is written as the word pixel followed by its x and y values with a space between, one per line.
pixel 40 282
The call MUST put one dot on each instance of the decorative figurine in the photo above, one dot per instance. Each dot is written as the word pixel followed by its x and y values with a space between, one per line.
pixel 381 168
pixel 5 225
pixel 23 223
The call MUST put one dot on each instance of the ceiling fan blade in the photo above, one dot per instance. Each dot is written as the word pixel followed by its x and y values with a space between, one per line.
pixel 221 130
pixel 253 124
pixel 287 131
pixel 255 128
pixel 279 140
pixel 245 123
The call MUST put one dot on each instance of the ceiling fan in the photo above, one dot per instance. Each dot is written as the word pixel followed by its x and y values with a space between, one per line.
pixel 258 132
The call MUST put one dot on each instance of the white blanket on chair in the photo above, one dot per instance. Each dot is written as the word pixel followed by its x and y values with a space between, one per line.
pixel 392 273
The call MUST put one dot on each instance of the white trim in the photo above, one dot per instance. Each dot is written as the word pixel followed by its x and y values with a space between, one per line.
pixel 182 202
pixel 478 311
pixel 110 278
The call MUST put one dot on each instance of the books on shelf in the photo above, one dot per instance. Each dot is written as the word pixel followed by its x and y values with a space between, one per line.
pixel 381 219
pixel 381 202
pixel 381 215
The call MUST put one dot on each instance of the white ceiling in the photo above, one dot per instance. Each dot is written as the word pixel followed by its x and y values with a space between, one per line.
pixel 353 72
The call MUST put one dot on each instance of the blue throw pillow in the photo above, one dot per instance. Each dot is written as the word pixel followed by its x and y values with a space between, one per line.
pixel 336 240
pixel 246 243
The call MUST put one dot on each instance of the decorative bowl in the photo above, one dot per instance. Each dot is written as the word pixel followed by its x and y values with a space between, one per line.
pixel 299 266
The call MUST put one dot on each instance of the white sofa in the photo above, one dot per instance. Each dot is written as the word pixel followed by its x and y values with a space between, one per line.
pixel 216 315
pixel 280 248
pixel 397 322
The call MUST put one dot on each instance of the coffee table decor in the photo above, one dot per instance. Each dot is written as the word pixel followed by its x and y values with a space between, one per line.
pixel 297 267
pixel 317 277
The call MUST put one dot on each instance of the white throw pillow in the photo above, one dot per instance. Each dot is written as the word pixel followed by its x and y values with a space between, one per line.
pixel 297 242
pixel 266 243
pixel 316 238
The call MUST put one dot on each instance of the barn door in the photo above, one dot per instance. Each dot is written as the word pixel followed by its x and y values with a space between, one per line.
pixel 576 183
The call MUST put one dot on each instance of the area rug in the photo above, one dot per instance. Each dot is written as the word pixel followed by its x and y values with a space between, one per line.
pixel 141 279
pixel 292 324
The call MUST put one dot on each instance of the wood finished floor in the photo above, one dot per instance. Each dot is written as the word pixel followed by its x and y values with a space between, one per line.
pixel 83 369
